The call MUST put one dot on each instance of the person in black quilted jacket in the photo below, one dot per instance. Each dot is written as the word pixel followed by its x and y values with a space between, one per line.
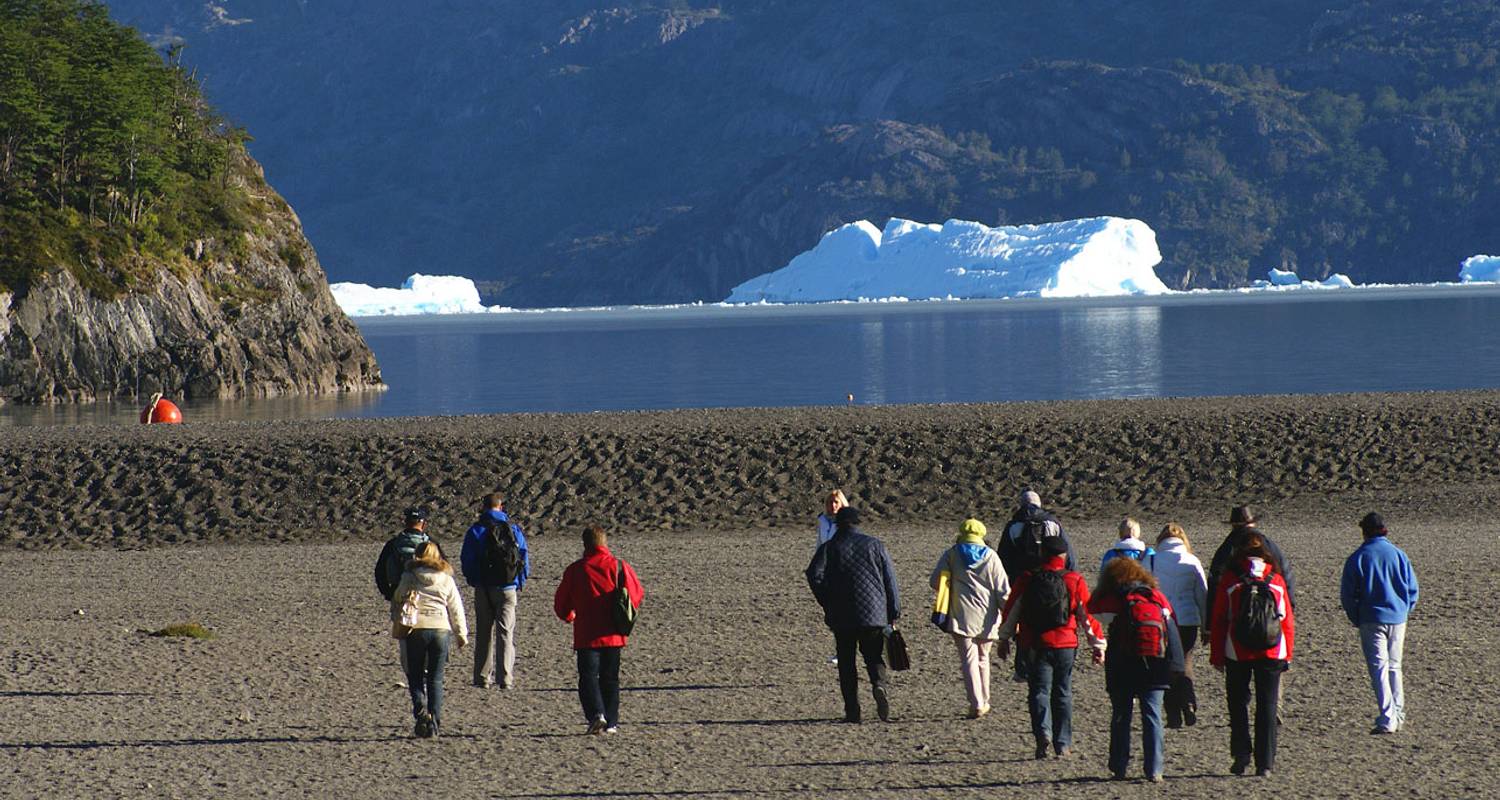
pixel 854 580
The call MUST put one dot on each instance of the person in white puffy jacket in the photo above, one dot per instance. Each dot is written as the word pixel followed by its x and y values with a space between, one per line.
pixel 428 583
pixel 1181 579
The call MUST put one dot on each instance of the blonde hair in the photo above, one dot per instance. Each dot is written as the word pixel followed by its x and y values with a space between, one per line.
pixel 1130 527
pixel 1174 531
pixel 837 496
pixel 428 555
pixel 1123 572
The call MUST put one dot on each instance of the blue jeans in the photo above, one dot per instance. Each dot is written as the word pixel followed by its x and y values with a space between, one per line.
pixel 599 683
pixel 1122 703
pixel 1050 680
pixel 426 651
pixel 1383 645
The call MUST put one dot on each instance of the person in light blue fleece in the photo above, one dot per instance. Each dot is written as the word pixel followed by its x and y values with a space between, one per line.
pixel 1378 592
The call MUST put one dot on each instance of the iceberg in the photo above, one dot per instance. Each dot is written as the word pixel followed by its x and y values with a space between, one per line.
pixel 419 294
pixel 1480 269
pixel 1283 277
pixel 1095 257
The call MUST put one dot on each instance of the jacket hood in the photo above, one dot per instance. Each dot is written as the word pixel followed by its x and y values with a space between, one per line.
pixel 498 515
pixel 1055 563
pixel 1171 544
pixel 1130 544
pixel 971 553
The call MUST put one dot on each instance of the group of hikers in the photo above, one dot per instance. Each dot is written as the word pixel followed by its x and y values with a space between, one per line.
pixel 1142 620
pixel 598 594
pixel 1150 607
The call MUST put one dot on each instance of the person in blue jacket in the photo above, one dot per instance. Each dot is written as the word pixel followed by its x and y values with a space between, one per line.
pixel 1378 592
pixel 495 590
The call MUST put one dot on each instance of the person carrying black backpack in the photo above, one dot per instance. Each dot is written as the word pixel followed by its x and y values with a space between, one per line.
pixel 1020 551
pixel 1250 641
pixel 495 561
pixel 398 551
pixel 1050 605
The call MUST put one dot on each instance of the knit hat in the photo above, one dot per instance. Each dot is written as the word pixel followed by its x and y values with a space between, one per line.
pixel 1054 546
pixel 847 517
pixel 972 527
pixel 1372 523
pixel 415 514
pixel 1030 498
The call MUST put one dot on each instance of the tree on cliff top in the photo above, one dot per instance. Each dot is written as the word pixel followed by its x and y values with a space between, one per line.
pixel 110 159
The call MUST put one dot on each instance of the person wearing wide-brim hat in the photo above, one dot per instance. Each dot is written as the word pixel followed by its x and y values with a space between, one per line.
pixel 1243 522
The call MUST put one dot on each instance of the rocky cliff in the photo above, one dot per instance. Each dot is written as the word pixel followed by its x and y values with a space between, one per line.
pixel 255 323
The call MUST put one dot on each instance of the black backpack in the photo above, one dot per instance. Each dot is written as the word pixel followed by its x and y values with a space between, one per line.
pixel 405 550
pixel 1046 604
pixel 1258 623
pixel 1033 531
pixel 502 553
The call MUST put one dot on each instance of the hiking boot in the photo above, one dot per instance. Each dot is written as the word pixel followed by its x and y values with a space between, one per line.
pixel 1157 778
pixel 976 713
pixel 1064 751
pixel 1239 765
pixel 1263 772
pixel 1043 747
pixel 852 719
pixel 597 726
pixel 1190 716
pixel 882 703
pixel 612 729
pixel 424 727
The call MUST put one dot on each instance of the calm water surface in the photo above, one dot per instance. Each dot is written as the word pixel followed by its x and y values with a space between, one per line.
pixel 976 351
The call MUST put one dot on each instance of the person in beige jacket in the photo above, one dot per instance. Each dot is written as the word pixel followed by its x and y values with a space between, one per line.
pixel 977 591
pixel 428 585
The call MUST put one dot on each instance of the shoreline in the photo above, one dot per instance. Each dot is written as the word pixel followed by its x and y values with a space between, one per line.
pixel 735 469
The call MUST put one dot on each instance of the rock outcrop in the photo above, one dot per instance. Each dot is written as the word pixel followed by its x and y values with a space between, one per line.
pixel 257 323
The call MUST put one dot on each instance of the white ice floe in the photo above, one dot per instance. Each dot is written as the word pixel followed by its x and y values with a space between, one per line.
pixel 1280 280
pixel 1097 257
pixel 1283 277
pixel 1480 269
pixel 419 294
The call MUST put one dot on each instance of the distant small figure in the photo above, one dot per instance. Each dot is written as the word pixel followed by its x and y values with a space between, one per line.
pixel 1129 545
pixel 496 563
pixel 586 598
pixel 428 583
pixel 1378 592
pixel 854 580
pixel 850 399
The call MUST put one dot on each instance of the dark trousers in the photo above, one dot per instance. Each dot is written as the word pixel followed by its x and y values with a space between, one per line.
pixel 1050 680
pixel 1181 696
pixel 1266 675
pixel 599 683
pixel 426 651
pixel 871 644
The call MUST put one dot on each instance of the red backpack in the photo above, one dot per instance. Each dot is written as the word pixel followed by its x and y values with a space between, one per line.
pixel 1148 622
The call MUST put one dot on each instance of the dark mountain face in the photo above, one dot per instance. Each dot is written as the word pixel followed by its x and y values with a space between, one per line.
pixel 561 153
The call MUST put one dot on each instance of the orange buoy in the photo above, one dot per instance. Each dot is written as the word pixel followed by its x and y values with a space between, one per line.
pixel 161 411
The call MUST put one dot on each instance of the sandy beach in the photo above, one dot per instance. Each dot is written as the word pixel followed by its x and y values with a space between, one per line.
pixel 266 533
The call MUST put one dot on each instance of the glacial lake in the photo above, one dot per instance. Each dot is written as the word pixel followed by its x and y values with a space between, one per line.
pixel 1198 344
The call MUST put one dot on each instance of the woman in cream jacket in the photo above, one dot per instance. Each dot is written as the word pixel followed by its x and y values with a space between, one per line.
pixel 428 583
pixel 978 588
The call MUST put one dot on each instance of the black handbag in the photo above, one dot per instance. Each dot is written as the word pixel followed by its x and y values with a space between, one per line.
pixel 896 656
pixel 623 608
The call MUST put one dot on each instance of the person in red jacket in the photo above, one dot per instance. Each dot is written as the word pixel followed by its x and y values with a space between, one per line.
pixel 585 598
pixel 1052 642
pixel 1252 592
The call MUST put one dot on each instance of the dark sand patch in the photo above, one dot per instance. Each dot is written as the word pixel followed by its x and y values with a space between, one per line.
pixel 110 487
